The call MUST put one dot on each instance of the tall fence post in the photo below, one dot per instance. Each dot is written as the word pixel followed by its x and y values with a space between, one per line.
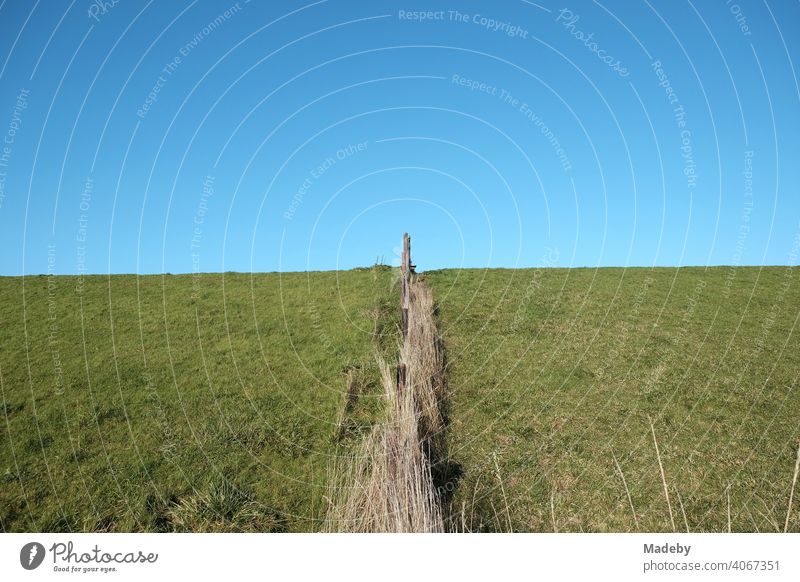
pixel 406 269
pixel 405 283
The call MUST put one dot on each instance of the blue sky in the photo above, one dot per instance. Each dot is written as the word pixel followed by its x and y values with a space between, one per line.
pixel 149 137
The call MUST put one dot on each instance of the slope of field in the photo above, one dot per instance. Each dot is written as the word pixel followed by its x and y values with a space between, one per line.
pixel 178 403
pixel 216 402
pixel 555 376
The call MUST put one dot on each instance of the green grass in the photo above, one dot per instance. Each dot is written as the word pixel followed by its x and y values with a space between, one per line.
pixel 149 409
pixel 153 410
pixel 554 371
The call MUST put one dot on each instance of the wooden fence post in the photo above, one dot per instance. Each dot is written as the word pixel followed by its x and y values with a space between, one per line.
pixel 405 283
pixel 406 268
pixel 401 377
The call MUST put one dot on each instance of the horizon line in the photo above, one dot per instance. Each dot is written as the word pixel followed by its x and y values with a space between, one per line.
pixel 290 272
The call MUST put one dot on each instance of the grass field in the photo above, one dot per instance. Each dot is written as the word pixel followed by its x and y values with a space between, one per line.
pixel 555 373
pixel 150 409
pixel 214 402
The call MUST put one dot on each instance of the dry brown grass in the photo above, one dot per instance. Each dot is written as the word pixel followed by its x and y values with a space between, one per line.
pixel 791 491
pixel 628 491
pixel 387 486
pixel 663 477
pixel 423 356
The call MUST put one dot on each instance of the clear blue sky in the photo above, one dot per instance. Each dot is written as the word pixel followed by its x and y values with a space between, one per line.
pixel 148 137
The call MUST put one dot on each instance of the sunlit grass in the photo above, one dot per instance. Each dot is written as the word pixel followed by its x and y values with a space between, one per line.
pixel 223 411
pixel 148 408
pixel 557 373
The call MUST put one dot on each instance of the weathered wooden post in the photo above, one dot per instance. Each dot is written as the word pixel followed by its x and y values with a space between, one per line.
pixel 401 377
pixel 405 283
pixel 405 303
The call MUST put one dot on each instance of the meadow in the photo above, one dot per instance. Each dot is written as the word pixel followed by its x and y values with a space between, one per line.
pixel 217 402
pixel 556 375
pixel 178 403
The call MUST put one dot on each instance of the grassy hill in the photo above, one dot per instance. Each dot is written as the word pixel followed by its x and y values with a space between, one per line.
pixel 214 402
pixel 177 402
pixel 555 373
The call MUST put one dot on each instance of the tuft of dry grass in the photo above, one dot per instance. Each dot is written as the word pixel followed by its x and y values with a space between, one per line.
pixel 683 511
pixel 627 491
pixel 791 491
pixel 422 354
pixel 387 485
pixel 505 499
pixel 663 477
